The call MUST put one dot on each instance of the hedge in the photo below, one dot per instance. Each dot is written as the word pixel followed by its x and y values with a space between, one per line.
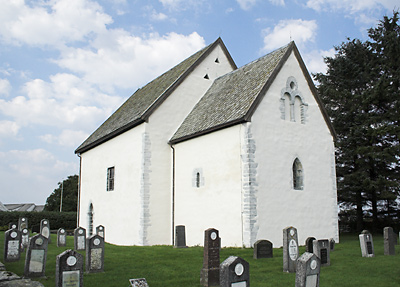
pixel 66 220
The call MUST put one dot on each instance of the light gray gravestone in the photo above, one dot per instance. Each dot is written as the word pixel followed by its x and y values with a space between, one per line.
pixel 209 275
pixel 180 236
pixel 389 241
pixel 322 251
pixel 22 223
pixel 61 237
pixel 80 238
pixel 100 230
pixel 12 245
pixel 234 272
pixel 290 249
pixel 309 244
pixel 95 254
pixel 36 255
pixel 139 282
pixel 69 269
pixel 332 244
pixel 263 249
pixel 307 270
pixel 24 237
pixel 45 229
pixel 367 245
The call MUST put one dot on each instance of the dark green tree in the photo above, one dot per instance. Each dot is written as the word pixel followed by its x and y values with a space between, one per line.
pixel 69 190
pixel 361 94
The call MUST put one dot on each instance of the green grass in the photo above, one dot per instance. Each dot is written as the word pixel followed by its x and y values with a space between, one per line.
pixel 165 266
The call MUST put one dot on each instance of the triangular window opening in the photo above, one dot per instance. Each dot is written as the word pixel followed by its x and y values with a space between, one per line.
pixel 297 175
pixel 216 60
pixel 206 77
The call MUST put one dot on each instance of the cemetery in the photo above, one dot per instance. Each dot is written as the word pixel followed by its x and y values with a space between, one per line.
pixel 358 260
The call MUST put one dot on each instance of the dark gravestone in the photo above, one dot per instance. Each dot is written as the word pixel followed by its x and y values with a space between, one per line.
pixel 36 254
pixel 389 241
pixel 139 282
pixel 12 245
pixel 22 223
pixel 367 245
pixel 234 272
pixel 61 237
pixel 24 238
pixel 308 270
pixel 290 249
pixel 322 251
pixel 209 275
pixel 309 244
pixel 332 244
pixel 180 236
pixel 100 230
pixel 69 269
pixel 45 229
pixel 12 225
pixel 263 249
pixel 80 238
pixel 95 254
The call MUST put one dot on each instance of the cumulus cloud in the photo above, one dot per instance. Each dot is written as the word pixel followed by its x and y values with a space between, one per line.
pixel 351 6
pixel 67 138
pixel 301 31
pixel 315 60
pixel 5 87
pixel 8 129
pixel 248 4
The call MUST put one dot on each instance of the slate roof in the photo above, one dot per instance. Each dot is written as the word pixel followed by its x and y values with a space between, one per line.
pixel 233 97
pixel 138 108
pixel 24 207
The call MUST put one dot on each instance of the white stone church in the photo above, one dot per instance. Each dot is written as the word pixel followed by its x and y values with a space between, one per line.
pixel 248 151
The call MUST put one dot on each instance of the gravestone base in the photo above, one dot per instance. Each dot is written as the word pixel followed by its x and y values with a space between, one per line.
pixel 209 277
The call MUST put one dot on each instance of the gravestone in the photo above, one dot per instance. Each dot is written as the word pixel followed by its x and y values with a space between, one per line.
pixel 69 269
pixel 80 238
pixel 322 251
pixel 95 254
pixel 367 245
pixel 140 282
pixel 22 223
pixel 12 245
pixel 100 230
pixel 180 236
pixel 61 237
pixel 332 244
pixel 36 254
pixel 45 229
pixel 309 244
pixel 263 249
pixel 209 275
pixel 307 270
pixel 389 241
pixel 234 272
pixel 290 249
pixel 24 237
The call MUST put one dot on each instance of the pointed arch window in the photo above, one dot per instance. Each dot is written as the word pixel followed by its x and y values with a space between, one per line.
pixel 90 219
pixel 293 107
pixel 298 175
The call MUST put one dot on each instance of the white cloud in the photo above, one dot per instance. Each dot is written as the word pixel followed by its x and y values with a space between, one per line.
pixel 248 4
pixel 5 87
pixel 315 60
pixel 351 6
pixel 67 138
pixel 51 23
pixel 301 31
pixel 8 129
pixel 180 5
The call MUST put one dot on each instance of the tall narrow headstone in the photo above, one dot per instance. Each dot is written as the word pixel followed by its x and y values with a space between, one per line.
pixel 100 230
pixel 180 236
pixel 61 237
pixel 234 272
pixel 309 244
pixel 290 249
pixel 367 245
pixel 24 237
pixel 263 249
pixel 95 254
pixel 12 245
pixel 209 275
pixel 332 244
pixel 389 241
pixel 36 254
pixel 45 229
pixel 69 269
pixel 22 223
pixel 80 238
pixel 322 250
pixel 308 270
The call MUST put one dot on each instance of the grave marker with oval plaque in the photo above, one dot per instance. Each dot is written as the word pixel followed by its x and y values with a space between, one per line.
pixel 209 275
pixel 290 249
pixel 36 255
pixel 308 270
pixel 45 229
pixel 95 254
pixel 61 237
pixel 234 272
pixel 69 269
pixel 12 245
pixel 80 238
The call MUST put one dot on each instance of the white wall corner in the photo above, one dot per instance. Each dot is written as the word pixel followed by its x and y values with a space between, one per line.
pixel 145 221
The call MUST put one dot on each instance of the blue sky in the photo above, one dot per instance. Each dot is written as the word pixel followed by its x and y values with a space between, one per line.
pixel 66 65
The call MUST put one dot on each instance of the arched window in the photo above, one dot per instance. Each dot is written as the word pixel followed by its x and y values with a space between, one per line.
pixel 198 179
pixel 293 108
pixel 90 219
pixel 298 175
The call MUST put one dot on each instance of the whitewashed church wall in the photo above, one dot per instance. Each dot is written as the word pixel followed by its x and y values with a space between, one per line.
pixel 213 198
pixel 161 126
pixel 117 210
pixel 278 142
